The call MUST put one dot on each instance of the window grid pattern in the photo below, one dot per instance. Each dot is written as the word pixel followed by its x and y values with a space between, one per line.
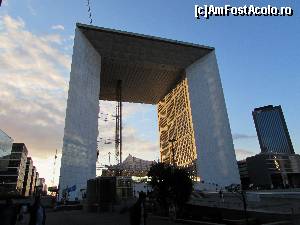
pixel 271 130
pixel 175 122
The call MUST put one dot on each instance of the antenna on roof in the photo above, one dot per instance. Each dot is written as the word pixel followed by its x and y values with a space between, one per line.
pixel 89 11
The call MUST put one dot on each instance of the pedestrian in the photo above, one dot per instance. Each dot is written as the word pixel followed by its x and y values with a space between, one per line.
pixel 37 213
pixel 138 213
pixel 8 214
pixel 221 194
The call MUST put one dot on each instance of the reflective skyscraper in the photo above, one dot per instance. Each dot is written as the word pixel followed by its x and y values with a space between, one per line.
pixel 272 130
pixel 5 145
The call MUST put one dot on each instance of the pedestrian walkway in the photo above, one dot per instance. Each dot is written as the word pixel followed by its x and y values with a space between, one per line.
pixel 84 218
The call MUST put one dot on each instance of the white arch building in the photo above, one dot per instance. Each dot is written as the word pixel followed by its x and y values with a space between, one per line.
pixel 181 78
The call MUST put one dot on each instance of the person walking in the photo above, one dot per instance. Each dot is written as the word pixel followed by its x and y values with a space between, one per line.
pixel 221 194
pixel 37 213
pixel 138 213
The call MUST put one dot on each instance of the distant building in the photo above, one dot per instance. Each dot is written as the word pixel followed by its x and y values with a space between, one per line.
pixel 32 181
pixel 104 191
pixel 131 166
pixel 12 178
pixel 272 130
pixel 27 178
pixel 270 170
pixel 244 174
pixel 42 186
pixel 36 181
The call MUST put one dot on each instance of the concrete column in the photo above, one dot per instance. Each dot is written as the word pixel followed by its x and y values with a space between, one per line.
pixel 79 155
pixel 216 160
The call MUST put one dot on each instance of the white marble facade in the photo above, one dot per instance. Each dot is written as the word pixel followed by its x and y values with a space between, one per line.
pixel 79 155
pixel 216 160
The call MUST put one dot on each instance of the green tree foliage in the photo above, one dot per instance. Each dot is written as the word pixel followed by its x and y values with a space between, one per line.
pixel 170 184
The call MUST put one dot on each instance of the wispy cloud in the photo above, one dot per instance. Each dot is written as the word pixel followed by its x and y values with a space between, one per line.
pixel 34 75
pixel 30 7
pixel 47 169
pixel 33 84
pixel 133 142
pixel 4 3
pixel 243 136
pixel 54 38
pixel 58 27
pixel 243 154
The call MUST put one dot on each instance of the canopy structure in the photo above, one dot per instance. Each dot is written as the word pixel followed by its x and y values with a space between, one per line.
pixel 148 66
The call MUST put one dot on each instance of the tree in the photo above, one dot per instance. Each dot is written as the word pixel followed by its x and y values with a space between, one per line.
pixel 171 185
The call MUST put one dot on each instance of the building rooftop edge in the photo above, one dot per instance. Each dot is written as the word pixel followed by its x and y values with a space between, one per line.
pixel 6 134
pixel 19 143
pixel 267 107
pixel 269 153
pixel 143 36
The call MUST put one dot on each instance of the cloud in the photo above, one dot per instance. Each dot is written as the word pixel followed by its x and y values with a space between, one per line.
pixel 48 169
pixel 133 142
pixel 54 38
pixel 4 3
pixel 34 77
pixel 34 74
pixel 58 27
pixel 243 154
pixel 243 136
pixel 30 7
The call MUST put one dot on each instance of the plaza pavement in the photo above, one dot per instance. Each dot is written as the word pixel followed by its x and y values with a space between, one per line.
pixel 78 217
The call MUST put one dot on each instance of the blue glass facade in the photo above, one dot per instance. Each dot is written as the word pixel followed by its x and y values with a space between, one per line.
pixel 271 130
pixel 5 144
pixel 5 150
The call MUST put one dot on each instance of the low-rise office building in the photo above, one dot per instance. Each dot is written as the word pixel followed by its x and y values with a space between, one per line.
pixel 37 176
pixel 131 166
pixel 32 181
pixel 17 174
pixel 244 175
pixel 270 170
pixel 27 178
pixel 12 178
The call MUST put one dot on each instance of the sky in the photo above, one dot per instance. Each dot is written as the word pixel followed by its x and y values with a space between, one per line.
pixel 258 60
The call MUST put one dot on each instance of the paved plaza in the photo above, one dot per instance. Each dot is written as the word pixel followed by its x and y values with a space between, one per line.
pixel 278 202
pixel 83 218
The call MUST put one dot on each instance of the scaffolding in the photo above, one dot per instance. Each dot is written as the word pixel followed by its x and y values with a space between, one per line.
pixel 118 133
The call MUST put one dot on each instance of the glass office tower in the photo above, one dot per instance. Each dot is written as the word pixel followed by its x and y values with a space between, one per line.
pixel 5 150
pixel 272 130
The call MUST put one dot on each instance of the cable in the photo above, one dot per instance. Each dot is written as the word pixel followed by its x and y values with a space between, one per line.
pixel 89 11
